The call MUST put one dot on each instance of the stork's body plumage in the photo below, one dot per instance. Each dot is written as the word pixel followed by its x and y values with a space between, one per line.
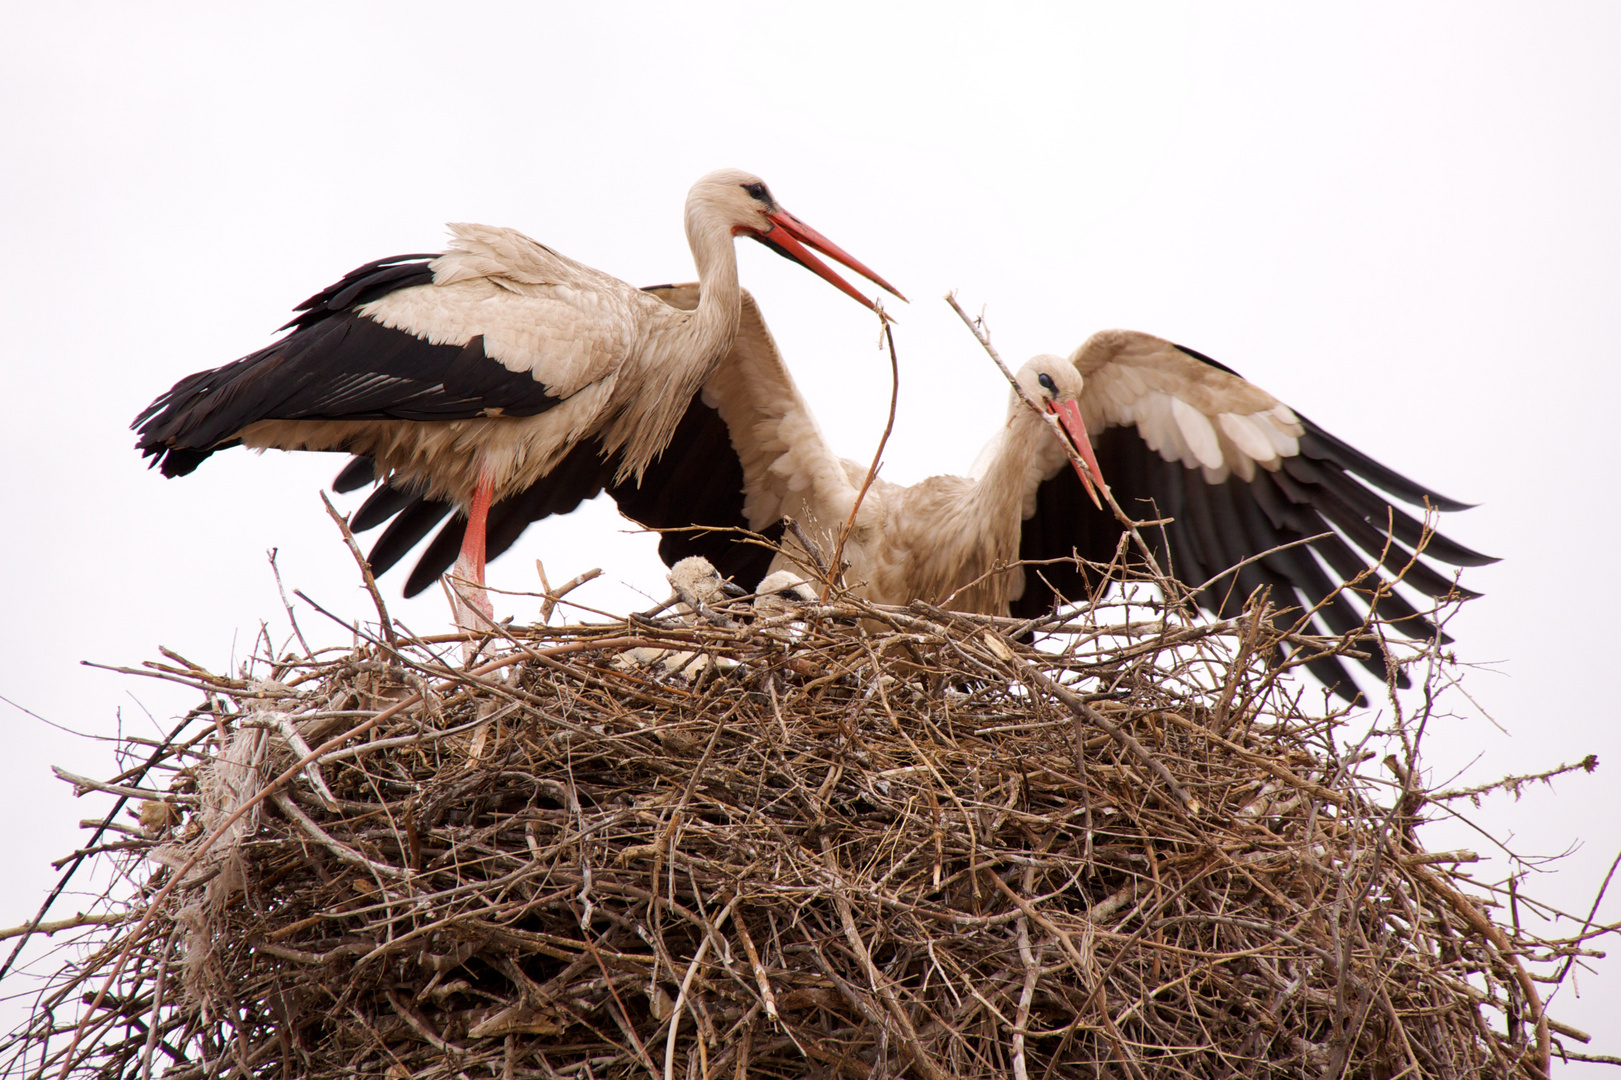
pixel 470 375
pixel 1176 435
pixel 943 539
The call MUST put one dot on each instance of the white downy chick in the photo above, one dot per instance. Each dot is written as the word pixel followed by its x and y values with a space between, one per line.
pixel 698 589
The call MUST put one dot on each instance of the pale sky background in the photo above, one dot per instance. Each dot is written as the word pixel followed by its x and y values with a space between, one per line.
pixel 1403 220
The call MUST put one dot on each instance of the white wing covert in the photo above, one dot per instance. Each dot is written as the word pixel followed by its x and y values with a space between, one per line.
pixel 1185 410
pixel 539 313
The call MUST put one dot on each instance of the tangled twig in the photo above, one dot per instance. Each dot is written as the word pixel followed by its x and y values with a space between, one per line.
pixel 925 848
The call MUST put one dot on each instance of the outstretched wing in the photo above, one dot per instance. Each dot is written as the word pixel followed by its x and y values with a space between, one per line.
pixel 496 325
pixel 1240 474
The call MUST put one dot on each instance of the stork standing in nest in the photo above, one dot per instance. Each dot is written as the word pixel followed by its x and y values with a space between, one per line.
pixel 469 375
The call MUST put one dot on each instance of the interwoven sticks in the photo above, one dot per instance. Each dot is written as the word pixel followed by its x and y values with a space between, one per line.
pixel 855 842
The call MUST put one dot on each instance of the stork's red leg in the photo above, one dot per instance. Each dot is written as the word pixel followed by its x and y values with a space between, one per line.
pixel 470 565
pixel 473 540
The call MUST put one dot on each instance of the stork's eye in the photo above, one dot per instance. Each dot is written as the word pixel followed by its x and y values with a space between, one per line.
pixel 1047 383
pixel 758 191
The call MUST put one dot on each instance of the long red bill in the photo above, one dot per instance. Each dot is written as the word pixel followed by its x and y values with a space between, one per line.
pixel 789 238
pixel 1069 418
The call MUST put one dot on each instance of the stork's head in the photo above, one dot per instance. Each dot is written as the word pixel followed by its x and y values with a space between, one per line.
pixel 785 586
pixel 1055 385
pixel 696 576
pixel 1049 381
pixel 741 203
pixel 781 593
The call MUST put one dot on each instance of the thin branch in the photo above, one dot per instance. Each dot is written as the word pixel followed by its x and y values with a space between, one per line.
pixel 365 572
pixel 836 568
pixel 281 591
pixel 49 928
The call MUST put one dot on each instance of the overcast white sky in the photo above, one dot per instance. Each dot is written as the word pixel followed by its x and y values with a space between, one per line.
pixel 1403 220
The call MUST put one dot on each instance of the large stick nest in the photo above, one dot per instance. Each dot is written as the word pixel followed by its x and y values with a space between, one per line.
pixel 904 845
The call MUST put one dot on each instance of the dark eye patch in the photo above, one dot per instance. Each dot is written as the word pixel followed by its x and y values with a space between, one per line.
pixel 758 191
pixel 1047 383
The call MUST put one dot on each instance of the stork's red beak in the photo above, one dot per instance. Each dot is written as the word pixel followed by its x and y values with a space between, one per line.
pixel 793 239
pixel 1069 418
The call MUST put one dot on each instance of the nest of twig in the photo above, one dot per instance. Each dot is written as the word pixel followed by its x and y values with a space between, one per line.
pixel 850 842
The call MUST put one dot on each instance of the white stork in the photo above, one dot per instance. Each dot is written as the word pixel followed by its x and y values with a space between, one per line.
pixel 1175 435
pixel 470 375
